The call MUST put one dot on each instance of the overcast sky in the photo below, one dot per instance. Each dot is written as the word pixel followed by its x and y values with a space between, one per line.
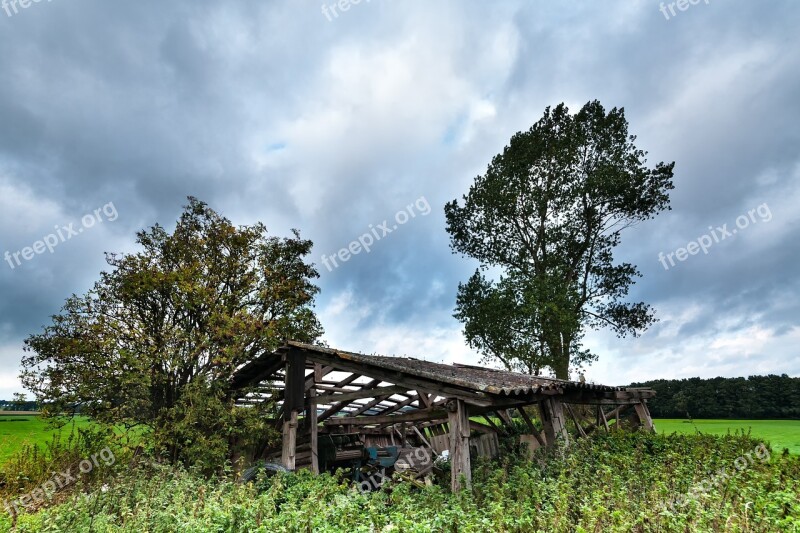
pixel 333 123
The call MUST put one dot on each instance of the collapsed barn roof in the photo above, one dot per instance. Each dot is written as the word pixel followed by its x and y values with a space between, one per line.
pixel 346 393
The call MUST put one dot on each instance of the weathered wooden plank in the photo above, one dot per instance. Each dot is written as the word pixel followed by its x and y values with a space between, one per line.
pixel 531 427
pixel 419 414
pixel 289 441
pixel 487 445
pixel 590 397
pixel 425 399
pixel 342 404
pixel 294 395
pixel 320 372
pixel 314 430
pixel 398 406
pixel 458 419
pixel 493 425
pixel 502 414
pixel 331 390
pixel 552 415
pixel 366 407
pixel 372 392
pixel 643 414
pixel 440 443
pixel 575 419
pixel 602 413
pixel 346 381
pixel 401 378
pixel 480 428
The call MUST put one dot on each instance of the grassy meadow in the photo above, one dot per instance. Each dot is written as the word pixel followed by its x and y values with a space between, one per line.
pixel 779 433
pixel 19 430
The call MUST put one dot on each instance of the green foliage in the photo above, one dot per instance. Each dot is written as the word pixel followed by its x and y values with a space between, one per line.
pixel 16 405
pixel 225 427
pixel 549 212
pixel 755 397
pixel 162 333
pixel 34 464
pixel 20 401
pixel 618 482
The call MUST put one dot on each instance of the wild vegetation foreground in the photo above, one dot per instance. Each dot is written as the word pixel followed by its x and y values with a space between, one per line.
pixel 617 482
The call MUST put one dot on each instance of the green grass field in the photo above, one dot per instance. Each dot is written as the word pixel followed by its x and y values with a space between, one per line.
pixel 18 430
pixel 780 433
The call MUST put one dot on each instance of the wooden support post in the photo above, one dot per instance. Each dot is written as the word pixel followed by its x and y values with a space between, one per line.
pixel 313 425
pixel 559 421
pixel 602 415
pixel 555 428
pixel 643 414
pixel 289 441
pixel 293 401
pixel 613 414
pixel 458 420
pixel 547 426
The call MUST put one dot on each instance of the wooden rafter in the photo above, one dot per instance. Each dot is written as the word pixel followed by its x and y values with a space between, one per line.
pixel 341 404
pixel 360 394
pixel 425 399
pixel 346 381
pixel 419 414
pixel 401 378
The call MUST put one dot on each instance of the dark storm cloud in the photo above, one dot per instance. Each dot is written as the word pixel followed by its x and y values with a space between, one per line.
pixel 271 112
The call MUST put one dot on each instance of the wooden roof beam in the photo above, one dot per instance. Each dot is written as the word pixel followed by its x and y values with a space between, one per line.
pixel 401 378
pixel 419 414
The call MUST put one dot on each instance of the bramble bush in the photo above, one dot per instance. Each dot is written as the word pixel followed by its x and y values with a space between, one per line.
pixel 617 482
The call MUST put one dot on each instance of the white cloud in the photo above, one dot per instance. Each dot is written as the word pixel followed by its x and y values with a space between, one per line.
pixel 269 112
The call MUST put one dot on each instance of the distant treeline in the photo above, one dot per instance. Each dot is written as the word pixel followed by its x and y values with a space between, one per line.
pixel 7 405
pixel 755 397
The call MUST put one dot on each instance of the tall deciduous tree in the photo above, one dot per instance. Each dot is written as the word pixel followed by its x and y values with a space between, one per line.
pixel 163 330
pixel 548 213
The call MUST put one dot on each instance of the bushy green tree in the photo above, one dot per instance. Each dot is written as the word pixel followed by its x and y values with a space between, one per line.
pixel 548 213
pixel 157 339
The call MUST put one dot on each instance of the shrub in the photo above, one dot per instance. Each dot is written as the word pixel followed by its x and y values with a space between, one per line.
pixel 616 482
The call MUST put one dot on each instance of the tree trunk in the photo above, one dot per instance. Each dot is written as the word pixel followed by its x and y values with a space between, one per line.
pixel 560 352
pixel 562 369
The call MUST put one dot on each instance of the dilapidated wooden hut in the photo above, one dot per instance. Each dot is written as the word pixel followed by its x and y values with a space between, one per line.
pixel 332 403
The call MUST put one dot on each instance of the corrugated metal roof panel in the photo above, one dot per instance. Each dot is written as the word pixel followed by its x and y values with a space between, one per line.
pixel 488 380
